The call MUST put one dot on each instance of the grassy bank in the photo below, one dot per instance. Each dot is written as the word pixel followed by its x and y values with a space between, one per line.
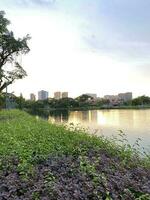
pixel 47 161
pixel 24 135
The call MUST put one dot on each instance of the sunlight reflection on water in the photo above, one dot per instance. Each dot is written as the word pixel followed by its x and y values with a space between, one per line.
pixel 134 123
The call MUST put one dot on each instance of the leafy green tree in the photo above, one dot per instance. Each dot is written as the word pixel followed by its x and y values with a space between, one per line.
pixel 102 102
pixel 84 98
pixel 142 100
pixel 34 105
pixel 10 49
pixel 68 103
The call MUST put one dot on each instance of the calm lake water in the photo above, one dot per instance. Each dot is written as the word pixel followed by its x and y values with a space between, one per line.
pixel 134 123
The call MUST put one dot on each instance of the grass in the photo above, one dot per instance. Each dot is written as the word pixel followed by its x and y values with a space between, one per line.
pixel 25 136
pixel 28 137
pixel 97 161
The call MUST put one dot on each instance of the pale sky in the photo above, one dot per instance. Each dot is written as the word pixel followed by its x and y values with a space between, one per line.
pixel 83 46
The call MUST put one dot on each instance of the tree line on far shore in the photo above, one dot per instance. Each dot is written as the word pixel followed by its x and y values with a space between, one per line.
pixel 83 101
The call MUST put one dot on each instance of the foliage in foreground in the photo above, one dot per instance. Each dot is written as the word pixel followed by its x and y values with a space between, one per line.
pixel 27 137
pixel 95 176
pixel 10 49
pixel 47 161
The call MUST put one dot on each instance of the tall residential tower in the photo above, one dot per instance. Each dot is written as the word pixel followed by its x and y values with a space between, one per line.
pixel 64 94
pixel 32 97
pixel 57 95
pixel 42 95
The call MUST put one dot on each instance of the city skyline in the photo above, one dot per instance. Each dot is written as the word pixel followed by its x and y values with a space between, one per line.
pixel 80 46
pixel 42 94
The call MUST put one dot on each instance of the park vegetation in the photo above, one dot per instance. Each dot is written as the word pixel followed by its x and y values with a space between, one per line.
pixel 10 49
pixel 39 160
pixel 80 103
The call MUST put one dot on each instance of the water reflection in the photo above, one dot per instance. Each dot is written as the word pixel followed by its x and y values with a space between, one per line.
pixel 135 123
pixel 58 116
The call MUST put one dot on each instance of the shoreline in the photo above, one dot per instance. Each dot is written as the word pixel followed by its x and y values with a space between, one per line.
pixel 92 108
pixel 40 160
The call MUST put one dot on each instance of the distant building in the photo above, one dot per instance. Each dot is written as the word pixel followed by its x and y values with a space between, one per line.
pixel 92 95
pixel 42 95
pixel 32 97
pixel 119 99
pixel 57 95
pixel 111 97
pixel 64 94
pixel 125 96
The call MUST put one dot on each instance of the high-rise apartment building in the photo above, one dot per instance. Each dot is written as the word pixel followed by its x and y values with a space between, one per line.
pixel 125 96
pixel 121 97
pixel 64 94
pixel 57 95
pixel 42 95
pixel 32 97
pixel 111 97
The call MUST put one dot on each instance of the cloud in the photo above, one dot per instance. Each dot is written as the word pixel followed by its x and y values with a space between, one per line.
pixel 40 2
pixel 120 28
pixel 131 50
pixel 27 3
pixel 144 69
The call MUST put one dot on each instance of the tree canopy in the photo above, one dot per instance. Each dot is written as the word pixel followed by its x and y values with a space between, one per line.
pixel 142 100
pixel 84 98
pixel 10 49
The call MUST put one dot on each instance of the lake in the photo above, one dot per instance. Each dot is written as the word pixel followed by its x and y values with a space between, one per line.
pixel 134 123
